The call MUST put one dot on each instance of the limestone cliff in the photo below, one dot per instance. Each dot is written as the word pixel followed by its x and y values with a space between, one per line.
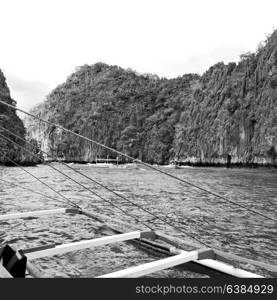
pixel 227 115
pixel 10 121
pixel 232 115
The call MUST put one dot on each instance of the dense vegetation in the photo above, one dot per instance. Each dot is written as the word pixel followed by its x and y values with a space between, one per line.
pixel 10 121
pixel 227 114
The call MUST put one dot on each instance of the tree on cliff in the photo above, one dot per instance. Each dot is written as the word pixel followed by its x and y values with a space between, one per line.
pixel 227 113
pixel 10 121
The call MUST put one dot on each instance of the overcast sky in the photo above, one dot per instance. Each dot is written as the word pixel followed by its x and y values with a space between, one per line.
pixel 42 42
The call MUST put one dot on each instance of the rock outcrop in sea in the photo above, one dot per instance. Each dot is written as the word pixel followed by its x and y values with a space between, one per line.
pixel 10 121
pixel 226 116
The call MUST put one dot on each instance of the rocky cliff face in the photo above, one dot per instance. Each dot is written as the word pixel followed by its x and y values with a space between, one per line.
pixel 232 115
pixel 119 108
pixel 10 121
pixel 227 115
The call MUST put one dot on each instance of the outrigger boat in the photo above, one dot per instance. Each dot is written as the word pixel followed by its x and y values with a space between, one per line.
pixel 176 252
pixel 20 263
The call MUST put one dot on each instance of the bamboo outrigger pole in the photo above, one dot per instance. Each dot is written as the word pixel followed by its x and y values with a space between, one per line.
pixel 204 257
pixel 38 213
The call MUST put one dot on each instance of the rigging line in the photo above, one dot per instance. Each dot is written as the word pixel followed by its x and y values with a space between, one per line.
pixel 24 169
pixel 97 194
pixel 78 172
pixel 96 182
pixel 30 190
pixel 107 188
pixel 140 162
pixel 94 193
pixel 215 194
pixel 137 205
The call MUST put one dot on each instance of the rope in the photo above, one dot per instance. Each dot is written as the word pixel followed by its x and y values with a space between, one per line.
pixel 134 160
pixel 76 171
pixel 143 163
pixel 30 190
pixel 58 193
pixel 126 199
pixel 94 193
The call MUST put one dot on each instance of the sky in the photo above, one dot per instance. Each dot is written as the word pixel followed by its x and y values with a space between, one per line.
pixel 42 42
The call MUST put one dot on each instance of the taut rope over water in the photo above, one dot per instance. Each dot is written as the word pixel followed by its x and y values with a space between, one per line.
pixel 141 162
pixel 133 203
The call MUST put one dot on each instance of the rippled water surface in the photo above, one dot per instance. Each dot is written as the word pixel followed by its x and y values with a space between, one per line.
pixel 218 224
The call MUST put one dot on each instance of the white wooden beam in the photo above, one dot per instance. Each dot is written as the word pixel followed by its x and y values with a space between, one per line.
pixel 230 258
pixel 32 214
pixel 227 269
pixel 154 266
pixel 61 249
pixel 211 263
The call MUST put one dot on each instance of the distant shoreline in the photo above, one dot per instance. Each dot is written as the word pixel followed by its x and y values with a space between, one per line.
pixel 178 165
